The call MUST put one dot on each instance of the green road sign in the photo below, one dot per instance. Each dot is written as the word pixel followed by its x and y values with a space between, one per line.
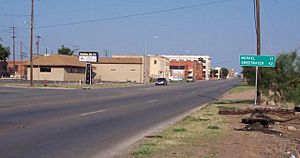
pixel 256 60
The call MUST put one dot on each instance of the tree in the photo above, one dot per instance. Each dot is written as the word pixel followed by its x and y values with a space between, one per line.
pixel 4 52
pixel 282 83
pixel 224 72
pixel 65 51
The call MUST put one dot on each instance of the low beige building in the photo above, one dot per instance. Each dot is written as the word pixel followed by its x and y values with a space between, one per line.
pixel 57 67
pixel 145 64
pixel 159 66
pixel 120 69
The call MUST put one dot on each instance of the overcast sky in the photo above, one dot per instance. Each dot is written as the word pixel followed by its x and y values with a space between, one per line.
pixel 220 29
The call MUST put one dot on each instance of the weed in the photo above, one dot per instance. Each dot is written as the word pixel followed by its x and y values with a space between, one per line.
pixel 213 127
pixel 143 151
pixel 179 129
pixel 208 114
pixel 194 119
pixel 227 108
pixel 240 89
pixel 244 101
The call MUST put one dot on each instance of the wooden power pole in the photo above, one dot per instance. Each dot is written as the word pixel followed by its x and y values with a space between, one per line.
pixel 14 49
pixel 31 42
pixel 258 50
pixel 21 59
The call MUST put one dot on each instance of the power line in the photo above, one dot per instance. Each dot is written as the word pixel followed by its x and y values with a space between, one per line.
pixel 93 8
pixel 4 30
pixel 63 12
pixel 13 15
pixel 134 15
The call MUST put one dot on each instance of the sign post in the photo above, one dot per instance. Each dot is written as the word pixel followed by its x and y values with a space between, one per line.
pixel 88 57
pixel 88 73
pixel 257 61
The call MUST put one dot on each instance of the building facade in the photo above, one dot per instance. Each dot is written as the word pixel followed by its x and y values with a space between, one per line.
pixel 20 70
pixel 145 65
pixel 187 69
pixel 159 67
pixel 57 68
pixel 206 60
pixel 217 74
pixel 119 70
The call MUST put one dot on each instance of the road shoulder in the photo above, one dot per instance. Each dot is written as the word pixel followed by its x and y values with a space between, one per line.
pixel 207 134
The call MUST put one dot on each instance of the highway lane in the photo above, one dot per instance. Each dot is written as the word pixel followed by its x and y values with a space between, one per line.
pixel 78 123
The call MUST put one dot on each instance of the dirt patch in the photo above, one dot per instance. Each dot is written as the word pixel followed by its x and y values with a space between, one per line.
pixel 283 142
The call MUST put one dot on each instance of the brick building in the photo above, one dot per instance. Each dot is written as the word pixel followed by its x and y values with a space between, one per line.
pixel 187 68
pixel 20 68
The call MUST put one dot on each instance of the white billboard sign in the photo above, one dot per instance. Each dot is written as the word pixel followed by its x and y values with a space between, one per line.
pixel 88 56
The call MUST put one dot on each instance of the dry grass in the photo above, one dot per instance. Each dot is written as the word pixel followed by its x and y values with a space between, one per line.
pixel 199 132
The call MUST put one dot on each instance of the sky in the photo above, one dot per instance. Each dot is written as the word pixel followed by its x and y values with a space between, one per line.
pixel 222 29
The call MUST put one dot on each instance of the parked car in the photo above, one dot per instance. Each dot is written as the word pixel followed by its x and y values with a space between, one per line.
pixel 175 78
pixel 161 81
pixel 190 79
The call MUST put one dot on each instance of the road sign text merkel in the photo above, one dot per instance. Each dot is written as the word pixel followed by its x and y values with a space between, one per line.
pixel 260 61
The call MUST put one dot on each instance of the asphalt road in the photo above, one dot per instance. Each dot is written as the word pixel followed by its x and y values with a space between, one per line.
pixel 38 123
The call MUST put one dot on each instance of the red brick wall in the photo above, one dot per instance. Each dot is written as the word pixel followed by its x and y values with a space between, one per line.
pixel 196 67
pixel 20 68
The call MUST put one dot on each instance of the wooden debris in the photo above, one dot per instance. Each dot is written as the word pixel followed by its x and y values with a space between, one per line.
pixel 263 115
pixel 265 110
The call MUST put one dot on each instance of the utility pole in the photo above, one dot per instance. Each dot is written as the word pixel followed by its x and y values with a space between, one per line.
pixel 258 50
pixel 106 53
pixel 76 48
pixel 38 44
pixel 14 49
pixel 31 41
pixel 21 58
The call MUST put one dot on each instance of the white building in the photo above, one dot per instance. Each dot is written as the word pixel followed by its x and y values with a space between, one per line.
pixel 201 58
pixel 218 74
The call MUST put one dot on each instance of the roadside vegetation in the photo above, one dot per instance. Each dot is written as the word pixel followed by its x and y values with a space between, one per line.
pixel 282 83
pixel 202 130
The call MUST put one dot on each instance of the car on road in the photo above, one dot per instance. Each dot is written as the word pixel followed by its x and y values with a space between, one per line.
pixel 161 81
pixel 190 79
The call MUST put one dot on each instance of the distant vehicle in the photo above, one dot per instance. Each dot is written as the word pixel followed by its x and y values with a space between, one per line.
pixel 161 81
pixel 190 79
pixel 175 78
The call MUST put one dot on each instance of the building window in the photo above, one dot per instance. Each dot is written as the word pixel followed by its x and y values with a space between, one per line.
pixel 45 69
pixel 155 61
pixel 112 69
pixel 177 67
pixel 75 70
pixel 132 69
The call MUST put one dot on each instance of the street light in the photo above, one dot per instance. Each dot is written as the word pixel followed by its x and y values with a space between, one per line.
pixel 147 44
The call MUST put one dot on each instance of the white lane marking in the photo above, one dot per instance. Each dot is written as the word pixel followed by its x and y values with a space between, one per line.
pixel 179 95
pixel 94 112
pixel 153 100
